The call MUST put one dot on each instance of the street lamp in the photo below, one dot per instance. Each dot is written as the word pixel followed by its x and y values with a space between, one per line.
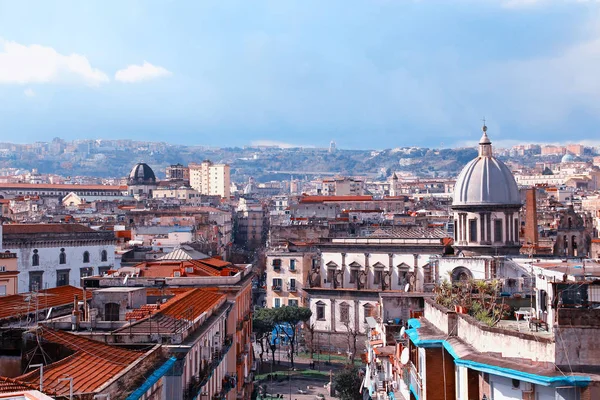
pixel 41 367
pixel 70 379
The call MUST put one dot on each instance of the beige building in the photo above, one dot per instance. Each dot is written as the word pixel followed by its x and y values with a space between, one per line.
pixel 287 273
pixel 9 274
pixel 210 179
pixel 183 193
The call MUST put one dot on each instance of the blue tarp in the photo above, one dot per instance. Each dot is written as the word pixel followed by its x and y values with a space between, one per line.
pixel 279 335
pixel 155 377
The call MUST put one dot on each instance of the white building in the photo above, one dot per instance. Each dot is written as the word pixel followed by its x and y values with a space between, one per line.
pixel 486 205
pixel 51 255
pixel 210 179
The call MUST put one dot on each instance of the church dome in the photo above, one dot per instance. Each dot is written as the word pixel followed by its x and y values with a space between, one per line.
pixel 142 174
pixel 567 158
pixel 486 180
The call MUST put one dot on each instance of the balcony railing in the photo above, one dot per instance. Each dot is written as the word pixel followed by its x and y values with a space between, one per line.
pixel 292 288
pixel 416 382
pixel 276 288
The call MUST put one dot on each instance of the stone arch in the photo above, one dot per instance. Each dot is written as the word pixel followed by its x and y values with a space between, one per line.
pixel 461 274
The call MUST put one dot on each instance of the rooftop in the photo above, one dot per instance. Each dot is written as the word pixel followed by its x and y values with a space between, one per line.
pixel 91 365
pixel 23 304
pixel 15 229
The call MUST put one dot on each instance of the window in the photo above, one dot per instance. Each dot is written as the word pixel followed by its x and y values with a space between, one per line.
pixel 344 313
pixel 103 255
pixel 292 285
pixel 277 283
pixel 2 268
pixel 320 311
pixel 103 270
pixel 330 274
pixel 353 276
pixel 62 277
pixel 377 277
pixel 86 271
pixel 292 303
pixel 62 257
pixel 36 281
pixel 498 230
pixel 2 290
pixel 86 257
pixel 277 264
pixel 111 312
pixel 276 302
pixel 35 259
pixel 472 230
pixel 292 265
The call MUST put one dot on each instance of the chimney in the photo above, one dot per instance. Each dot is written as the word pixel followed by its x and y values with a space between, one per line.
pixel 75 315
pixel 531 224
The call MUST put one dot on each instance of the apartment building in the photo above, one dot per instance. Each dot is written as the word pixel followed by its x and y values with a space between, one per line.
pixel 210 179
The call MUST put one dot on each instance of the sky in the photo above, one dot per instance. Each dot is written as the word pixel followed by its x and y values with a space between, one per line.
pixel 364 73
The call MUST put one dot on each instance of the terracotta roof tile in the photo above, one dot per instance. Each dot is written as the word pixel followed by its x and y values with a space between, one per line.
pixel 321 199
pixel 9 385
pixel 91 365
pixel 67 187
pixel 44 228
pixel 186 306
pixel 22 304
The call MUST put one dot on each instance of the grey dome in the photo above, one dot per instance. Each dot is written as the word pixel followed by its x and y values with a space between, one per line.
pixel 486 181
pixel 141 174
pixel 567 158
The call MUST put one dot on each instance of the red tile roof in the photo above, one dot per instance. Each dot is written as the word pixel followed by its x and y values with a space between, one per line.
pixel 200 268
pixel 44 228
pixel 185 306
pixel 22 304
pixel 91 365
pixel 69 187
pixel 321 199
pixel 9 385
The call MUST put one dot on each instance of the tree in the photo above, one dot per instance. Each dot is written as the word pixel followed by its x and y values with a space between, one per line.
pixel 352 336
pixel 262 326
pixel 347 383
pixel 292 316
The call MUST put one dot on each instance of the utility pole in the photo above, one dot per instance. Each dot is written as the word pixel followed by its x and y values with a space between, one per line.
pixel 41 367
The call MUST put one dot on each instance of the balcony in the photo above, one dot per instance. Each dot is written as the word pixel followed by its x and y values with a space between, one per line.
pixel 292 288
pixel 276 288
pixel 416 382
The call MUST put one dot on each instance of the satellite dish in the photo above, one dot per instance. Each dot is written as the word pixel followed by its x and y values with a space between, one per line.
pixel 402 332
pixel 404 357
pixel 407 287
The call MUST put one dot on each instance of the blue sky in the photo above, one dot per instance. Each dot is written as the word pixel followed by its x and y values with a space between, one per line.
pixel 367 74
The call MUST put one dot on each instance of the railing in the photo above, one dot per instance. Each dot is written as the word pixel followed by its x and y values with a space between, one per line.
pixel 292 288
pixel 207 373
pixel 416 382
pixel 276 288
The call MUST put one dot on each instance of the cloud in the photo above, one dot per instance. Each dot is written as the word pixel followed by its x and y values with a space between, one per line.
pixel 21 64
pixel 29 92
pixel 138 73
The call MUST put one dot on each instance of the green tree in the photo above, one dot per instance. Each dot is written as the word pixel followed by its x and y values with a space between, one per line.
pixel 292 316
pixel 262 326
pixel 347 383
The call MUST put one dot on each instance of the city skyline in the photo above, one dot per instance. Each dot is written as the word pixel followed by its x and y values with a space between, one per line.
pixel 400 73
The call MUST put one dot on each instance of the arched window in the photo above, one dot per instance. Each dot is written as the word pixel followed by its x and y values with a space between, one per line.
pixel 103 255
pixel 86 257
pixel 62 257
pixel 35 259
